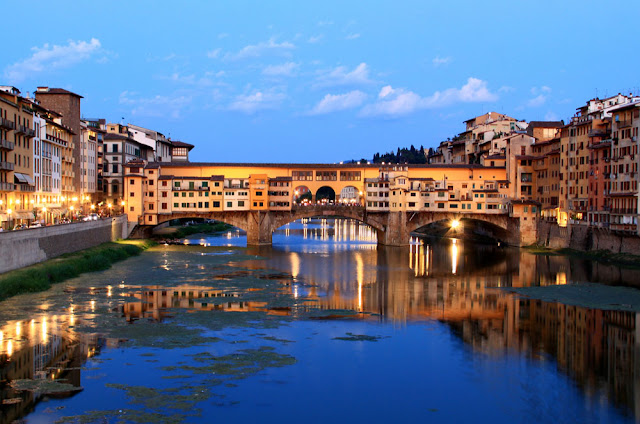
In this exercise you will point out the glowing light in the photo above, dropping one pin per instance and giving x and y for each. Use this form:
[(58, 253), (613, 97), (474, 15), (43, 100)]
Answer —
[(17, 201), (122, 203), (93, 207), (9, 211), (455, 224), (44, 209), (10, 348), (109, 205), (454, 256), (75, 199)]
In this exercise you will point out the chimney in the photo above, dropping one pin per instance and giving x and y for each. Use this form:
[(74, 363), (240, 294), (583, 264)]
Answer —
[(43, 89)]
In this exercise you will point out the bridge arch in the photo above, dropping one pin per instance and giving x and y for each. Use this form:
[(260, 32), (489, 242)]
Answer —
[(349, 195), (451, 224), (325, 194), (234, 219), (302, 193)]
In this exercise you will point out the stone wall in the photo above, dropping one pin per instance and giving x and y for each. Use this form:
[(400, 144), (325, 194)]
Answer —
[(27, 247), (585, 238)]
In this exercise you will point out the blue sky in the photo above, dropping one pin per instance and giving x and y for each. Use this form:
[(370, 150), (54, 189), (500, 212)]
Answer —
[(292, 81)]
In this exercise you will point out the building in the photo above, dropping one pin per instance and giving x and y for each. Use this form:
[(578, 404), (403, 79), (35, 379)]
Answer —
[(180, 151), (160, 145)]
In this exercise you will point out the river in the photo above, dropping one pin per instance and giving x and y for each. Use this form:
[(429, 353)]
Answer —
[(326, 326)]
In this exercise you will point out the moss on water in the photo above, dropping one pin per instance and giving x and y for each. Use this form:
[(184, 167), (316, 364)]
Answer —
[(40, 277), (350, 337), (43, 386)]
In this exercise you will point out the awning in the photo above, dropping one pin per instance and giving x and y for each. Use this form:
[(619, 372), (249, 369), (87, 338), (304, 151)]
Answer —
[(22, 215), (56, 211), (20, 178), (29, 179)]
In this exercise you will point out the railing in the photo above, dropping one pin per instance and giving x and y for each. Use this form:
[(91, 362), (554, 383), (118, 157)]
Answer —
[(6, 166), (598, 133), (7, 145), (625, 123), (25, 187), (7, 187), (5, 123), (30, 132)]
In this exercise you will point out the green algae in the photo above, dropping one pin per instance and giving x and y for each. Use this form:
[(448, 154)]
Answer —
[(275, 339), (350, 337), (43, 386)]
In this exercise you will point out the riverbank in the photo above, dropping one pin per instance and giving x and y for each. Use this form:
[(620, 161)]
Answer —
[(620, 259), (41, 276)]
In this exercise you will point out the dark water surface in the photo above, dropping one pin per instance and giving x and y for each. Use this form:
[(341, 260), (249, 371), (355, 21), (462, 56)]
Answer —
[(325, 326)]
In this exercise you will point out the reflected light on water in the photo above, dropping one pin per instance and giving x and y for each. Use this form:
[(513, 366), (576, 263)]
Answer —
[(295, 265), (454, 256), (359, 278)]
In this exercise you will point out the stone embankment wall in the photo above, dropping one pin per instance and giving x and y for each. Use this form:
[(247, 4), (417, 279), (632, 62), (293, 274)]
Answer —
[(27, 247), (583, 237)]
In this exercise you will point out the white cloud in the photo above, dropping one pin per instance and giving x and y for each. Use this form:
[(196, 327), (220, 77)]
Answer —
[(285, 70), (325, 23), (341, 76), (256, 101), (550, 116), (506, 89), (440, 61), (352, 36), (157, 106), (315, 39), (399, 102), (337, 102), (213, 54), (270, 47), (51, 57), (222, 35), (537, 101)]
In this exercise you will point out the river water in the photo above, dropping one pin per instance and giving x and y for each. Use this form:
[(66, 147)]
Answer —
[(326, 326)]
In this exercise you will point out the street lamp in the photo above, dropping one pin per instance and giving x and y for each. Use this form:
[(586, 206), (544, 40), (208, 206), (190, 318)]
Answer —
[(44, 215), (9, 212), (109, 206), (455, 224)]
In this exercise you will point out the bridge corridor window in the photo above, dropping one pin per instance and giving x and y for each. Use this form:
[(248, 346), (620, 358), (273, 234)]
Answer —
[(164, 206), (302, 175), (350, 175), (326, 175), (216, 204), (240, 203)]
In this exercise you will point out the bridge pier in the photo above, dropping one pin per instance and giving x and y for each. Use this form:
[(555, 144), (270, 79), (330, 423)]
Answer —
[(259, 228), (396, 231)]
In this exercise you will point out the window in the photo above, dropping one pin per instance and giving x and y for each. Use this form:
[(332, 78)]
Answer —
[(240, 203), (440, 205), (216, 204), (131, 194), (114, 168), (164, 194), (132, 182), (164, 206), (175, 205), (258, 193), (176, 184), (229, 204), (115, 148)]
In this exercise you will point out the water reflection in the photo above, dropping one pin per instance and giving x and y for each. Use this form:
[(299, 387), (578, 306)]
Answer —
[(41, 349), (337, 266)]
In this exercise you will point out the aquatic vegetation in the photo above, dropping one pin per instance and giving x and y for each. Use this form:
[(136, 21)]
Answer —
[(43, 386), (350, 337)]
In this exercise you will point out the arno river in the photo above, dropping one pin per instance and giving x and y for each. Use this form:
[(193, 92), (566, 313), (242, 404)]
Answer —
[(325, 326)]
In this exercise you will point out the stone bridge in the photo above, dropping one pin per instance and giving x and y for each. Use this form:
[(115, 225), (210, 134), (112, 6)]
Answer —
[(393, 228)]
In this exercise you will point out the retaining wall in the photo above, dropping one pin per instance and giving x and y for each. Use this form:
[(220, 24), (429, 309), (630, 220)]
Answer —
[(585, 238), (27, 247)]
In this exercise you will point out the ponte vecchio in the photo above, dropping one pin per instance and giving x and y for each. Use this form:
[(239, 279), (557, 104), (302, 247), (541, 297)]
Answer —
[(393, 199)]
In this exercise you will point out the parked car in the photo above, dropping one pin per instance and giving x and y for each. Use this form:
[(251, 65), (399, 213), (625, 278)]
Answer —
[(91, 217), (19, 227), (35, 225)]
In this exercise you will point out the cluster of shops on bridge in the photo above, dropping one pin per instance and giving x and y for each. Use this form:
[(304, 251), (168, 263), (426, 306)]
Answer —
[(157, 192)]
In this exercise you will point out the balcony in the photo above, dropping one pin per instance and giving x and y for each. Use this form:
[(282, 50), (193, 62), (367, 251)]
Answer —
[(7, 187), (598, 133), (6, 166), (30, 132), (25, 188), (7, 145), (624, 124), (6, 124)]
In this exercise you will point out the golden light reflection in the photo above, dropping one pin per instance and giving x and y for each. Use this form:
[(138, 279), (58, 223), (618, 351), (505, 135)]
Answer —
[(295, 265), (9, 348), (561, 278), (454, 256), (18, 328), (359, 278)]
